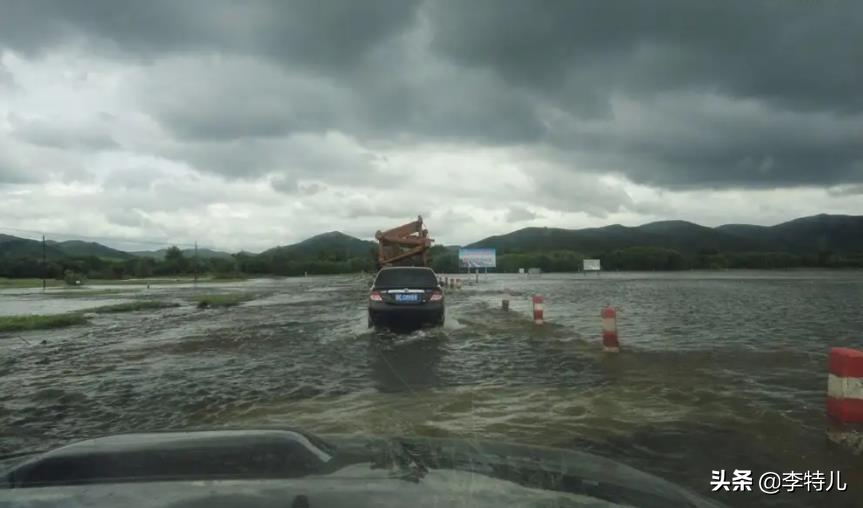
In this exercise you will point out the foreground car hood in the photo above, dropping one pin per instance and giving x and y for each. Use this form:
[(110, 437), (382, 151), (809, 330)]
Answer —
[(269, 468)]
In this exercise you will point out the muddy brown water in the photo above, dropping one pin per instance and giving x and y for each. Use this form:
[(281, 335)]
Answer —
[(719, 370)]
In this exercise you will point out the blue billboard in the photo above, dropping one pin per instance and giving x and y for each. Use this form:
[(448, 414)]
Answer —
[(477, 258)]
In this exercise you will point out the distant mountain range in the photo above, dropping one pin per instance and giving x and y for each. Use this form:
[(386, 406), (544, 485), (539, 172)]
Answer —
[(14, 247), (836, 233), (202, 253), (77, 248), (332, 242), (809, 235)]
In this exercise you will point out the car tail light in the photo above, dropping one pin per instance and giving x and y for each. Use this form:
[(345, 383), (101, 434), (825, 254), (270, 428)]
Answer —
[(375, 297), (436, 296)]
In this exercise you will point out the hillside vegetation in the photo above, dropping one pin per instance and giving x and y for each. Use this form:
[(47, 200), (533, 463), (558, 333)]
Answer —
[(832, 241), (818, 241)]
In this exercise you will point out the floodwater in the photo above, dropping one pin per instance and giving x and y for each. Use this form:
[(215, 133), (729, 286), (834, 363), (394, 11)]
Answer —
[(719, 370)]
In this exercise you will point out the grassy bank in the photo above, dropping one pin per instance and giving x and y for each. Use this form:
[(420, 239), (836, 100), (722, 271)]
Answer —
[(28, 283), (52, 283), (83, 293), (163, 281), (133, 306), (47, 321), (224, 300), (38, 322)]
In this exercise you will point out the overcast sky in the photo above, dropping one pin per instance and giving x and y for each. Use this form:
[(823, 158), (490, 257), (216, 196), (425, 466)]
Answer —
[(244, 125)]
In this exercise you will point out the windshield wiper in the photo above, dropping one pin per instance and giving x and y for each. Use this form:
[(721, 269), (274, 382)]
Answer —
[(399, 453)]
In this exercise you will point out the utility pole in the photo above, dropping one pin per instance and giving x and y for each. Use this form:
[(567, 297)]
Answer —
[(196, 263), (44, 266)]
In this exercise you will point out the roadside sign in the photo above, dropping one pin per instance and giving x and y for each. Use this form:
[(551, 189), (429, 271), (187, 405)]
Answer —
[(477, 258)]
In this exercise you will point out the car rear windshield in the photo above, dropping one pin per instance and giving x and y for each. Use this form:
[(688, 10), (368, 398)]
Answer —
[(406, 279)]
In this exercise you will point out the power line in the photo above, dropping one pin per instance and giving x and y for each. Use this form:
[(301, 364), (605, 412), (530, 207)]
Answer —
[(44, 267)]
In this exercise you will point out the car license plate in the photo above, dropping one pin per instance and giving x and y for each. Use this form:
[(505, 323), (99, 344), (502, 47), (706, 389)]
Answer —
[(407, 298)]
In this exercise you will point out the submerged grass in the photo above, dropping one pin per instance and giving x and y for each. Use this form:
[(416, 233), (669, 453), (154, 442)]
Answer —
[(226, 278), (39, 322), (223, 300), (138, 282), (164, 281), (133, 306), (83, 293), (47, 321), (28, 283)]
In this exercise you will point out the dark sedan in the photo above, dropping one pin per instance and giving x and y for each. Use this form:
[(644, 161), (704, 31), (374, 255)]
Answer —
[(408, 296)]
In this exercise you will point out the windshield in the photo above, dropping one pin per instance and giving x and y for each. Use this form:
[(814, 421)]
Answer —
[(405, 278), (627, 230)]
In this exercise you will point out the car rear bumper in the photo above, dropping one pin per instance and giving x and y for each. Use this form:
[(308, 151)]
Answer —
[(382, 313)]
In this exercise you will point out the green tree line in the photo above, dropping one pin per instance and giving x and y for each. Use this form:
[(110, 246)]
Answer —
[(175, 263), (655, 258), (292, 266), (442, 260)]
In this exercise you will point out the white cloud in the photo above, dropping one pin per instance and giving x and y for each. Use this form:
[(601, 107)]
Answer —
[(845, 190), (519, 214)]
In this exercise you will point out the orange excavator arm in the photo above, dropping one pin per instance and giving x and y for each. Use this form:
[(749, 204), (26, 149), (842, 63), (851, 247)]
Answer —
[(402, 231), (403, 243), (405, 255)]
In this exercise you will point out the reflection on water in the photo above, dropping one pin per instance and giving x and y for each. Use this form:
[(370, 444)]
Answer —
[(717, 370)]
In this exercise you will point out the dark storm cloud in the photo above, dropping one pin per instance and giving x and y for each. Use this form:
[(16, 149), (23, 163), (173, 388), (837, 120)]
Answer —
[(334, 33), (799, 53), (249, 98), (688, 140), (675, 94), (787, 72)]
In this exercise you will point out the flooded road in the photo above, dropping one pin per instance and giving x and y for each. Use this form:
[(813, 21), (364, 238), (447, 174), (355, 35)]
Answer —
[(719, 370)]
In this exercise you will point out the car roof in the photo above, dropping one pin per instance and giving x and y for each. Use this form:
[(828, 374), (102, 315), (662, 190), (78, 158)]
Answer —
[(388, 268)]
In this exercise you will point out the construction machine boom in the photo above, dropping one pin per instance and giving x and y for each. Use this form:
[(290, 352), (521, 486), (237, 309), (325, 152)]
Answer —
[(405, 245)]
